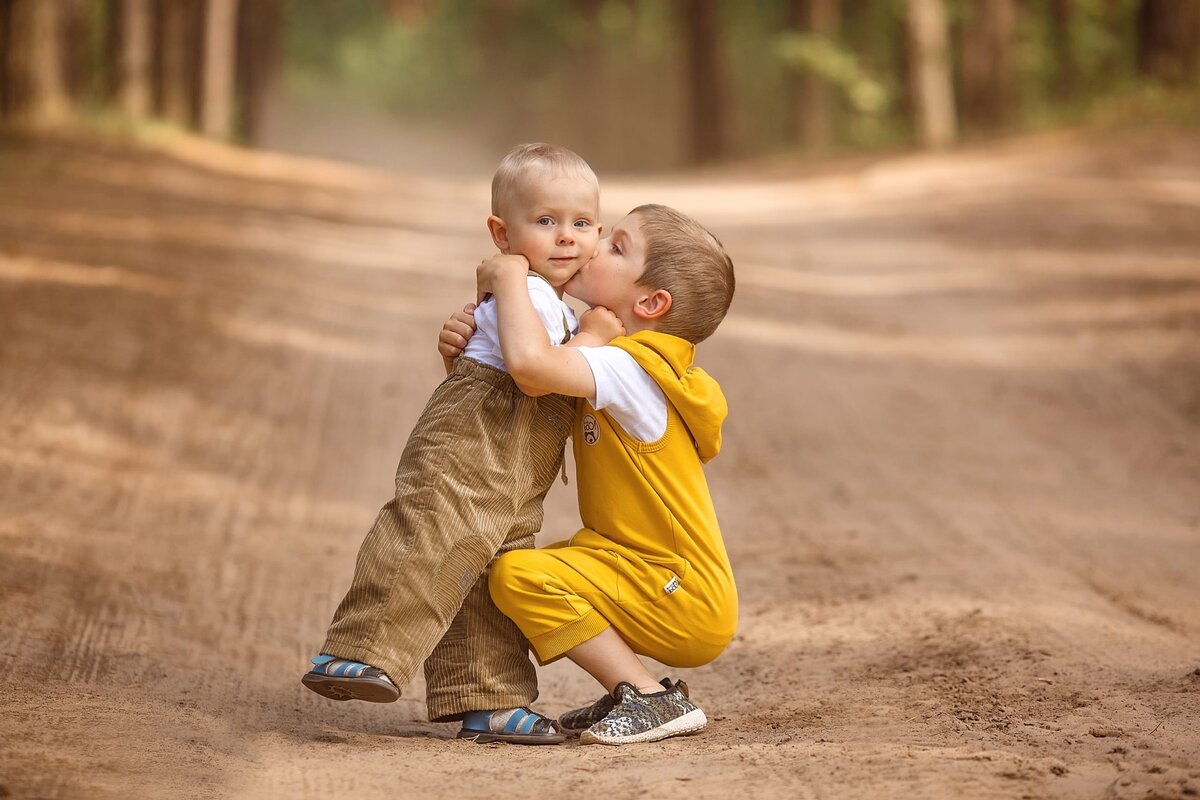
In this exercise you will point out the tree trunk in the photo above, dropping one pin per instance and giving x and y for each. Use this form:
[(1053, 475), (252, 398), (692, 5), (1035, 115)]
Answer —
[(1111, 62), (37, 91), (813, 101), (77, 56), (178, 61), (7, 105), (133, 73), (987, 68), (589, 68), (929, 71), (408, 13), (258, 62), (1168, 39), (220, 39), (706, 107), (1066, 69)]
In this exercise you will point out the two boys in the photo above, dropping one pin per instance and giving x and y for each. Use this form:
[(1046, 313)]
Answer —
[(647, 574)]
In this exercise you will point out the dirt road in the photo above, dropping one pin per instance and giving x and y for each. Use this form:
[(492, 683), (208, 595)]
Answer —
[(961, 483)]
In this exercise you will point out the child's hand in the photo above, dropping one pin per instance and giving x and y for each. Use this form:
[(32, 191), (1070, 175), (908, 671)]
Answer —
[(494, 268), (601, 323), (456, 331)]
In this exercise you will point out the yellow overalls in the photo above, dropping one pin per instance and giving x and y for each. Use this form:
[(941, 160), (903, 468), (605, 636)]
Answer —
[(649, 560)]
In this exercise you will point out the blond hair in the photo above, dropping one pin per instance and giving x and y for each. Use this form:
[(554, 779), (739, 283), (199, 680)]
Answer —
[(515, 168), (683, 257)]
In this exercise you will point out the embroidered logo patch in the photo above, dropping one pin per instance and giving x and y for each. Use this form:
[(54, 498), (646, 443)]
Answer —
[(591, 431), (671, 586)]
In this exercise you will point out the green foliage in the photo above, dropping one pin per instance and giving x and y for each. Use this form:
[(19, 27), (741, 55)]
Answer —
[(403, 67), (466, 49), (822, 56), (538, 60), (318, 29), (1063, 74)]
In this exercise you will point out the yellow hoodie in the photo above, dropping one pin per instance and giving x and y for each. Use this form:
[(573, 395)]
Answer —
[(649, 502)]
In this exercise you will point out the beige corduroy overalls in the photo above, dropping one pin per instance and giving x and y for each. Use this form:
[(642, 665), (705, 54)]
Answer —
[(469, 486)]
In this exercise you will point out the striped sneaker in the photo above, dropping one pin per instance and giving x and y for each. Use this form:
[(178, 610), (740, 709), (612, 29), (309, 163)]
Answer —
[(578, 720), (342, 679), (641, 717)]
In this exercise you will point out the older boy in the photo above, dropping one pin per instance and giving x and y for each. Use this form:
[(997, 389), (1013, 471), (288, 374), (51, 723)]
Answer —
[(648, 573), (470, 484)]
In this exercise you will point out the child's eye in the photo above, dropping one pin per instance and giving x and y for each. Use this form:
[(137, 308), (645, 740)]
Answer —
[(582, 223), (545, 221)]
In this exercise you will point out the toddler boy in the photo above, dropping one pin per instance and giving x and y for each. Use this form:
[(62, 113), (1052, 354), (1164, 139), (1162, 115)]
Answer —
[(470, 484)]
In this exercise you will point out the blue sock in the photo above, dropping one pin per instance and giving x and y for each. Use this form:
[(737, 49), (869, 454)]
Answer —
[(477, 720)]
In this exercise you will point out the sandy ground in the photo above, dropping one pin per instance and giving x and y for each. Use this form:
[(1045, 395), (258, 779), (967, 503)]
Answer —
[(961, 483)]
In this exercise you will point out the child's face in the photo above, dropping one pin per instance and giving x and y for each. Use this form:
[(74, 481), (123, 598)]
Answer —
[(554, 222), (611, 278)]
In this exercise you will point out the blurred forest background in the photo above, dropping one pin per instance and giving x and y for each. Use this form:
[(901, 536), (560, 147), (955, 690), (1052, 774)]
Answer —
[(632, 84), (960, 478)]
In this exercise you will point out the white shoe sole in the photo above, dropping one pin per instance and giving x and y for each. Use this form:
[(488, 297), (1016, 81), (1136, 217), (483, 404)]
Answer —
[(692, 722)]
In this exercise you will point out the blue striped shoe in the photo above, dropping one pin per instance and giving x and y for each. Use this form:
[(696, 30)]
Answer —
[(341, 679), (511, 725)]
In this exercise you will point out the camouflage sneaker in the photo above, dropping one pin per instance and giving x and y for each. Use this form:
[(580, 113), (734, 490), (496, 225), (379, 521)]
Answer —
[(641, 717), (580, 719)]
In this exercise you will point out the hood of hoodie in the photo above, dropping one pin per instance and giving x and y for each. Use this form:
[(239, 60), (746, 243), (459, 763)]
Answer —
[(692, 391)]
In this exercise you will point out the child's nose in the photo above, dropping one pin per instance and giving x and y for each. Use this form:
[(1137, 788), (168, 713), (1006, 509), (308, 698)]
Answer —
[(566, 235)]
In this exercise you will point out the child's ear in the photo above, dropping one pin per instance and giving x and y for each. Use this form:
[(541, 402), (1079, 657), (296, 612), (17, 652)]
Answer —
[(499, 232), (653, 306)]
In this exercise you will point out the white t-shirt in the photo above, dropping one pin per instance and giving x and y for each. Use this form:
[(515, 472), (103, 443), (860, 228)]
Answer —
[(484, 345), (627, 393)]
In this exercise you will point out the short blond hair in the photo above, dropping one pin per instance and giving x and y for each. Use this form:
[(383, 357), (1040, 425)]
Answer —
[(686, 259), (516, 166)]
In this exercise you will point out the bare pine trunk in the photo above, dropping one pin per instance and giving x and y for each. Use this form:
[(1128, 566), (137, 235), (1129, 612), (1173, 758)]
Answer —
[(220, 40), (1066, 71), (1169, 39), (38, 90), (813, 107), (410, 12), (699, 23), (1110, 62), (133, 74), (176, 62), (929, 69), (258, 62), (987, 69), (7, 100), (589, 69), (75, 43)]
